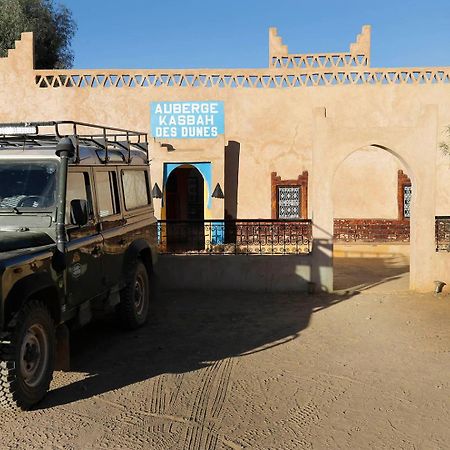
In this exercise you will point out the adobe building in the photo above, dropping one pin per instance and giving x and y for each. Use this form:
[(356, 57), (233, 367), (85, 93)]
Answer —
[(324, 137)]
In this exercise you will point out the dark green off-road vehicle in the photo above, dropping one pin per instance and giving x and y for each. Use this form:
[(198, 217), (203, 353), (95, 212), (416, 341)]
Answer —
[(77, 236)]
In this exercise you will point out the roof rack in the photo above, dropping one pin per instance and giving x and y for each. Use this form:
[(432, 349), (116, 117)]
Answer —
[(42, 133)]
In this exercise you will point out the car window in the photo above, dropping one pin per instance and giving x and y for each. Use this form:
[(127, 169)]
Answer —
[(107, 193), (78, 188), (135, 188), (25, 184)]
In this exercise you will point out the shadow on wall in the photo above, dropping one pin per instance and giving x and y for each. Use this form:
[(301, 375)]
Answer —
[(188, 331), (232, 153)]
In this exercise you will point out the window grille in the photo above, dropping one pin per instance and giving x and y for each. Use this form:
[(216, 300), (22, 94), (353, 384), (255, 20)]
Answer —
[(289, 202), (407, 201)]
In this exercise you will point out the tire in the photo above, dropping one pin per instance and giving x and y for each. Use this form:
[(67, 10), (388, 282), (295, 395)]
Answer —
[(27, 357), (134, 306)]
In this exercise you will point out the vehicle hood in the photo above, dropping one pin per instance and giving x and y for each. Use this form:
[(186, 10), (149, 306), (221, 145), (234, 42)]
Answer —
[(17, 240)]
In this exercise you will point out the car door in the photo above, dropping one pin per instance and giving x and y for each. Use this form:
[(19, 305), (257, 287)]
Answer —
[(85, 277), (111, 224), (140, 222)]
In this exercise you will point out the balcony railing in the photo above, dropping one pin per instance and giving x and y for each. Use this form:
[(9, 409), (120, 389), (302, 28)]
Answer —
[(442, 233), (280, 237), (232, 237)]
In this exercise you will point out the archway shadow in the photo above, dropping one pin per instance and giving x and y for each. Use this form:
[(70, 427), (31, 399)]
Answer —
[(368, 273), (188, 331)]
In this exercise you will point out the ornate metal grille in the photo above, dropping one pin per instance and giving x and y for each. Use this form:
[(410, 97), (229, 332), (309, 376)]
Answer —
[(443, 233), (288, 202), (407, 201), (235, 237)]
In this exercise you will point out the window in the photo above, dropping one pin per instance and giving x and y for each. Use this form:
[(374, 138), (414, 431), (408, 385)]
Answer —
[(107, 193), (135, 188), (404, 196), (407, 201), (25, 184), (78, 188), (289, 199), (289, 202)]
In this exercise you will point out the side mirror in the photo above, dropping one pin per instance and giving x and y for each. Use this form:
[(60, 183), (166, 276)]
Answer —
[(79, 214)]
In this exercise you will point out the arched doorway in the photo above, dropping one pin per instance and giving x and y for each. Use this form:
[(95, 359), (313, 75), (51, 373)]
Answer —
[(184, 199), (371, 205)]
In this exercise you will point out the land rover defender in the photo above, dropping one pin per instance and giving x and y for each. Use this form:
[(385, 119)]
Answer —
[(77, 237)]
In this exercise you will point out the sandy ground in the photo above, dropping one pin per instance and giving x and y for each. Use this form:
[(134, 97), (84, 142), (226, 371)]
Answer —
[(382, 274), (365, 370)]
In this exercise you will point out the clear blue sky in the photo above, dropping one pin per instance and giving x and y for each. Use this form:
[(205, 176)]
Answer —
[(233, 33)]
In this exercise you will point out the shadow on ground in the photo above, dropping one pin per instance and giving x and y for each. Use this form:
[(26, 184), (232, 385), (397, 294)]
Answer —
[(374, 274), (187, 331), (191, 330)]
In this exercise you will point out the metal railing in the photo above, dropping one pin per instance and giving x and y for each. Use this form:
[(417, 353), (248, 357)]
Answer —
[(442, 233), (36, 134), (371, 230), (232, 237)]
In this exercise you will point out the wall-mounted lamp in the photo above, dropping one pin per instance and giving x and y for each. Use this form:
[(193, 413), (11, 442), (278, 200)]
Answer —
[(156, 191), (169, 147), (217, 193)]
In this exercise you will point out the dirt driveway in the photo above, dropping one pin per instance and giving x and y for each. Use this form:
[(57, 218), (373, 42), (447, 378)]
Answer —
[(232, 371)]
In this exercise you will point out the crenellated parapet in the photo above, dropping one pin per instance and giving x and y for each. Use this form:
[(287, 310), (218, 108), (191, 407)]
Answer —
[(357, 56), (362, 44), (276, 46), (21, 57), (286, 71)]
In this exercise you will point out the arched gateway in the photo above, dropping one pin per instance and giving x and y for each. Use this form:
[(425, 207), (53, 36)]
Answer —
[(334, 142)]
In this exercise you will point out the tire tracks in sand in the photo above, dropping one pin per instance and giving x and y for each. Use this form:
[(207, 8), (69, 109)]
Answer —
[(183, 411)]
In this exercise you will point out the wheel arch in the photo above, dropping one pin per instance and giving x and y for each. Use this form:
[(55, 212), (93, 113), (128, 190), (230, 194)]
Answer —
[(139, 249), (37, 287)]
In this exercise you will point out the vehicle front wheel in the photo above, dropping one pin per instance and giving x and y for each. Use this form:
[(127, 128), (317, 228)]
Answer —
[(133, 309), (27, 356)]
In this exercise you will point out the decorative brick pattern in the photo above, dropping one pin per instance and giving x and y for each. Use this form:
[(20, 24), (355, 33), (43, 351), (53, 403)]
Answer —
[(256, 78), (358, 54), (371, 230), (320, 61)]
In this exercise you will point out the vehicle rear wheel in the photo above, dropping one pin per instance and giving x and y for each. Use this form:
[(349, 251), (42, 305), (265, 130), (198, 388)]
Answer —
[(27, 355), (133, 309)]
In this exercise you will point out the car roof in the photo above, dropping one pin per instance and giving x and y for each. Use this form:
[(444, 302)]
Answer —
[(88, 155), (93, 144)]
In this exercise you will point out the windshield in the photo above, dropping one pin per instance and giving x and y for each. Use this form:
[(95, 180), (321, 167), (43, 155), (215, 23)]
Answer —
[(27, 184)]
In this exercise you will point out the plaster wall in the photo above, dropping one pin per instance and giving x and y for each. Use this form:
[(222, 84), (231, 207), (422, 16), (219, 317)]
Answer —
[(365, 185), (272, 138), (287, 130), (260, 273)]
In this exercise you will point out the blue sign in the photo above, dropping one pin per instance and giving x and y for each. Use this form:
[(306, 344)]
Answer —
[(187, 120)]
